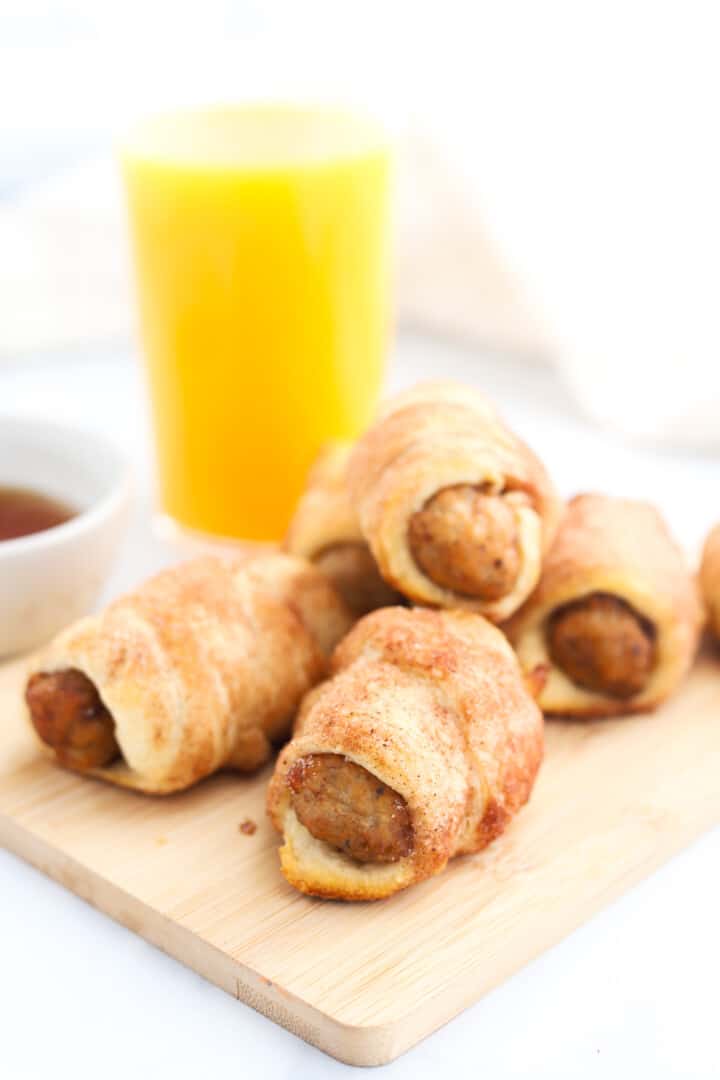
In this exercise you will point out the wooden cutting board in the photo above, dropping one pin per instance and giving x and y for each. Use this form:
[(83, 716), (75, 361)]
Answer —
[(365, 982)]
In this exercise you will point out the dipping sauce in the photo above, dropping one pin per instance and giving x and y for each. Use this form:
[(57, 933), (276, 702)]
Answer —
[(24, 511)]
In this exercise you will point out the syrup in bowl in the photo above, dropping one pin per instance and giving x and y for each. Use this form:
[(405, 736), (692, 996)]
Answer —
[(24, 511)]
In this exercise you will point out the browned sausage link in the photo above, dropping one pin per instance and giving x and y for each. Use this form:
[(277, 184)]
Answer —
[(70, 717), (346, 806), (354, 573), (467, 541), (603, 645)]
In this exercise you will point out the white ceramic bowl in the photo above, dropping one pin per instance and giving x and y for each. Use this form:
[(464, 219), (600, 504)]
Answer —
[(49, 578)]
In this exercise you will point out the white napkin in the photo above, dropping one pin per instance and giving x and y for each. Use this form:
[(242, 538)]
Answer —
[(65, 274), (64, 267)]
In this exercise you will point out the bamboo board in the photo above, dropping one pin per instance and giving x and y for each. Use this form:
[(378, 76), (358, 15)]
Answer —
[(365, 982)]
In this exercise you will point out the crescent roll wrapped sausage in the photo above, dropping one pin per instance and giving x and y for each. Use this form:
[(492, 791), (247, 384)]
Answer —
[(616, 616), (710, 579), (326, 530), (457, 510), (202, 667), (422, 746)]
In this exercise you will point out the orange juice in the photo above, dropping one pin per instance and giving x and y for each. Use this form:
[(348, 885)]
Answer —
[(262, 254)]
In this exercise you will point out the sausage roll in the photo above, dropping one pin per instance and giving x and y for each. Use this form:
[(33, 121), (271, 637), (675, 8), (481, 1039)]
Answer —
[(457, 510), (326, 530), (202, 667), (422, 746), (616, 616), (710, 579)]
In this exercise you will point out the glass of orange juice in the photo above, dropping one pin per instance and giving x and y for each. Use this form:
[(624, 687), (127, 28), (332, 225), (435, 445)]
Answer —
[(262, 251)]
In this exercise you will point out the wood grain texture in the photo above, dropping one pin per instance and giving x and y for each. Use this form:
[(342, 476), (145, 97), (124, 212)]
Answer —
[(365, 982)]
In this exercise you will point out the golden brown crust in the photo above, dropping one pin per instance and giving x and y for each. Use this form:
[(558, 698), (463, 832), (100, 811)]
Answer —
[(324, 515), (204, 665), (438, 436), (622, 548), (434, 705), (710, 579), (326, 530), (351, 569)]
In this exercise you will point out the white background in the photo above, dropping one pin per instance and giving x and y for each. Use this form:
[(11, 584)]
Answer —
[(632, 994)]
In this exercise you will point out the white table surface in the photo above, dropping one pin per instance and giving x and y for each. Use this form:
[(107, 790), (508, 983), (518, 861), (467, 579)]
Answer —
[(631, 994)]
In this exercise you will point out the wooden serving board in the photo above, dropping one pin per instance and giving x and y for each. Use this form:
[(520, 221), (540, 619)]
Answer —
[(365, 982)]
